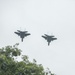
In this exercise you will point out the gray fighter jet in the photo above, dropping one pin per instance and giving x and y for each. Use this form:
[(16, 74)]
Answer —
[(22, 34), (49, 38)]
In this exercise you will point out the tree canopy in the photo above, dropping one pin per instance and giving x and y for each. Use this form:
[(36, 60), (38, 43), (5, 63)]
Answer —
[(10, 66)]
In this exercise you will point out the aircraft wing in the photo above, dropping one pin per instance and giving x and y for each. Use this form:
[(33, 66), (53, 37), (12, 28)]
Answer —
[(17, 33), (49, 35), (44, 37), (22, 31), (27, 34), (25, 31), (54, 39)]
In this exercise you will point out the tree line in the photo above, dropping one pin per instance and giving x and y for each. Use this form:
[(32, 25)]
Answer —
[(10, 66)]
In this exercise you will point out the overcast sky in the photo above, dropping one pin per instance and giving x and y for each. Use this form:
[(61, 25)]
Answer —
[(54, 17)]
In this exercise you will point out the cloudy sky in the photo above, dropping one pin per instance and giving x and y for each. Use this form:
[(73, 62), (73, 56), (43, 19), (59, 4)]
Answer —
[(54, 17)]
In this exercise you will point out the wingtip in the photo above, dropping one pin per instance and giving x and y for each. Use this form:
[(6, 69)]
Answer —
[(56, 38), (42, 36), (29, 34), (14, 32)]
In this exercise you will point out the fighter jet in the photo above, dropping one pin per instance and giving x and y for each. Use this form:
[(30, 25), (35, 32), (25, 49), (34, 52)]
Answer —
[(48, 38), (22, 34)]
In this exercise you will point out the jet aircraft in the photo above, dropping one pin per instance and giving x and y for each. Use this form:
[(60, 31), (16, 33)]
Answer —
[(48, 38), (22, 34)]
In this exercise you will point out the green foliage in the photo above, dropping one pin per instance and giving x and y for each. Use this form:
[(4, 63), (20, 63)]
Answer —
[(10, 66)]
